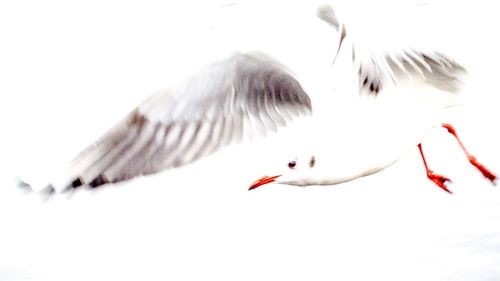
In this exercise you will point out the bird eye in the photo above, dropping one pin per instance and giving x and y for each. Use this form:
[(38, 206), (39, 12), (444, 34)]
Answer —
[(292, 164)]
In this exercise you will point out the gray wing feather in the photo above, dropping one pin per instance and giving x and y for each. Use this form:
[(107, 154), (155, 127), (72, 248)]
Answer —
[(376, 68), (444, 74), (435, 69), (246, 94)]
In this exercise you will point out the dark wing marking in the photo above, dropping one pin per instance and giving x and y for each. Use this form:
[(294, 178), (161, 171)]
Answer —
[(246, 94)]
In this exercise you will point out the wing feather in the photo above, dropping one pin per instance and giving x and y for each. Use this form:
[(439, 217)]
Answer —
[(231, 100), (376, 68)]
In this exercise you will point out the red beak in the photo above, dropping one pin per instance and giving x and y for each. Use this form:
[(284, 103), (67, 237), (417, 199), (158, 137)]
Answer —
[(262, 181)]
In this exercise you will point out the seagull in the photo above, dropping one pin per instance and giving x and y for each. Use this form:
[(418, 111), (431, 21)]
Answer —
[(426, 72), (248, 95)]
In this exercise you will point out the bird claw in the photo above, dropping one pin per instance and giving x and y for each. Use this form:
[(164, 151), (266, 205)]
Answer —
[(439, 180)]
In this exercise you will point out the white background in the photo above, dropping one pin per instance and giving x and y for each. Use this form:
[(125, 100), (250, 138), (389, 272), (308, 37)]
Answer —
[(69, 71)]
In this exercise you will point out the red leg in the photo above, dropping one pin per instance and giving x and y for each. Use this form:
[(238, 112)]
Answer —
[(489, 175), (439, 180)]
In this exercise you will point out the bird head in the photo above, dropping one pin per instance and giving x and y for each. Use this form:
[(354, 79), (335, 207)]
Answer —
[(299, 171)]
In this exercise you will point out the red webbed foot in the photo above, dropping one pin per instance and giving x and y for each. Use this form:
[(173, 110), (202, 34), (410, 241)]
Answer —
[(439, 180)]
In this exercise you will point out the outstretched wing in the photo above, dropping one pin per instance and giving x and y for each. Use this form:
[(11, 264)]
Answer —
[(230, 100), (377, 67)]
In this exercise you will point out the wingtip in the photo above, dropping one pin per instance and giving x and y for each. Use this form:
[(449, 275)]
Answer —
[(98, 181), (76, 183), (22, 185), (49, 190), (327, 14), (46, 191)]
